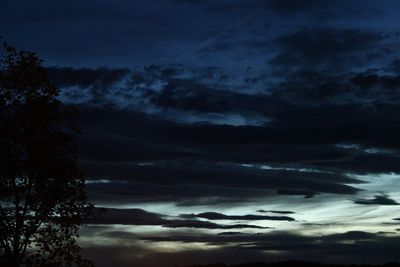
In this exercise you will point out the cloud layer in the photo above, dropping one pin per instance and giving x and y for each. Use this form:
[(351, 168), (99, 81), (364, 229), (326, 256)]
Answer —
[(229, 130)]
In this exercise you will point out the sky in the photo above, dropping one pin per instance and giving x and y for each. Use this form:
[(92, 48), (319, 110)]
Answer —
[(229, 130)]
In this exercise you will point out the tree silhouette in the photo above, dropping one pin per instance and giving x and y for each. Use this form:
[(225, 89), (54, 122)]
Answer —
[(42, 197)]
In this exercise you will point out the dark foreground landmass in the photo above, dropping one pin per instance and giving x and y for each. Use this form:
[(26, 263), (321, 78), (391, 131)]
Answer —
[(296, 264)]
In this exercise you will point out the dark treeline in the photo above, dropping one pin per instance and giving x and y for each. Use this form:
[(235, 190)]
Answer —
[(296, 264)]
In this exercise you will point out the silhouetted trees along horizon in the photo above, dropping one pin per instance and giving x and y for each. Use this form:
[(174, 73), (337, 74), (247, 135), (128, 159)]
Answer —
[(295, 264), (42, 196)]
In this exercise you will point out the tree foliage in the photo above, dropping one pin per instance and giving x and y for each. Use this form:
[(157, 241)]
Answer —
[(42, 196)]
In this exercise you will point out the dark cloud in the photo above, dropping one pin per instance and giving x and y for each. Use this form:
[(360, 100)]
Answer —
[(85, 77), (314, 9), (305, 102), (126, 216), (351, 236), (189, 163), (368, 81), (394, 66), (277, 211), (298, 138), (192, 95), (271, 239), (337, 248), (292, 6), (209, 225), (372, 163), (216, 46), (125, 257), (295, 192), (377, 200), (221, 6), (306, 122), (142, 217), (325, 47), (366, 252), (184, 195), (185, 179), (249, 217), (319, 12), (230, 233), (216, 201)]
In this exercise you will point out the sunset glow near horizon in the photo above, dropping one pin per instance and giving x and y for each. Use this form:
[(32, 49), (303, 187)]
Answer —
[(229, 130)]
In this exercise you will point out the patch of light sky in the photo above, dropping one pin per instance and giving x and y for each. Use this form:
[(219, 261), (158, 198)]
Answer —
[(368, 150), (384, 183), (269, 167)]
